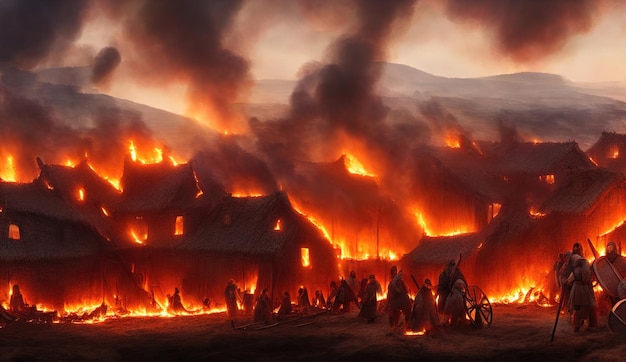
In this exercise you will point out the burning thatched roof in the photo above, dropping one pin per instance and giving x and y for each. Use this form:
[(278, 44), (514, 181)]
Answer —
[(581, 190), (68, 180), (609, 151), (158, 186), (466, 169), (48, 227), (439, 250), (247, 225)]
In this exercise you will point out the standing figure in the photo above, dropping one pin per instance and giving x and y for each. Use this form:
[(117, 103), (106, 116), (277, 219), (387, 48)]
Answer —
[(450, 274), (454, 309), (424, 316), (263, 309), (353, 282), (398, 301), (17, 304), (318, 300), (285, 306), (231, 295), (175, 303), (303, 298), (369, 300), (582, 299)]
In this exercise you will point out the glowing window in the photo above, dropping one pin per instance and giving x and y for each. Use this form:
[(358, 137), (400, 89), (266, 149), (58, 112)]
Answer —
[(179, 226), (139, 231), (14, 232), (306, 261), (549, 179), (494, 210), (81, 194)]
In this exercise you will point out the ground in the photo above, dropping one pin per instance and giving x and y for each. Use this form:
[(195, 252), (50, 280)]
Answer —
[(518, 333)]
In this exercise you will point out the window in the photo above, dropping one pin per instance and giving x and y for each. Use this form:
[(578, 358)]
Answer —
[(179, 226), (306, 261), (14, 232)]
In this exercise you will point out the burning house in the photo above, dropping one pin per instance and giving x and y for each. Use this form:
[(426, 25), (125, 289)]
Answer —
[(531, 184), (609, 150)]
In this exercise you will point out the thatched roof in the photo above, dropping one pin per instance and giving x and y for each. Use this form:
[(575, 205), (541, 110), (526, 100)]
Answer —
[(33, 198), (39, 212), (581, 191), (536, 158), (441, 249), (245, 225), (67, 180), (467, 168), (159, 186)]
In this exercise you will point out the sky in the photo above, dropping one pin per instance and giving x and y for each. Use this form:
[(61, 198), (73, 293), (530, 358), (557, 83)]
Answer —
[(178, 55)]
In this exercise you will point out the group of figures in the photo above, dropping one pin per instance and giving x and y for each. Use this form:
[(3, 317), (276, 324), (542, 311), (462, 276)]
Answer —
[(421, 314), (575, 278)]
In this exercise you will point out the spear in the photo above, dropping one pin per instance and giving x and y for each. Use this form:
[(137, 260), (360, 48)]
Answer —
[(593, 249), (558, 313)]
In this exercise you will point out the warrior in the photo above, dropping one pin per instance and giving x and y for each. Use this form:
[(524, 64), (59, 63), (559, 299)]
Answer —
[(424, 316), (450, 274), (582, 299)]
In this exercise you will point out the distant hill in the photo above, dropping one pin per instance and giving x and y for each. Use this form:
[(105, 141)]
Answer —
[(539, 106)]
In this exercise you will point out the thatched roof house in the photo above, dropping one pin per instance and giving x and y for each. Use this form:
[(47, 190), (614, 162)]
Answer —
[(261, 242), (609, 151)]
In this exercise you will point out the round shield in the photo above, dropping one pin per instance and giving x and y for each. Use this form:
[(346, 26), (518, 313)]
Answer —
[(607, 275), (621, 289), (617, 318)]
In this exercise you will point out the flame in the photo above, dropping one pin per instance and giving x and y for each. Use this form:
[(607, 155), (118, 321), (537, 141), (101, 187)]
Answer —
[(277, 226), (81, 194), (535, 213), (458, 230), (7, 172), (613, 152), (306, 261), (105, 212), (179, 226), (453, 141), (138, 237), (355, 167)]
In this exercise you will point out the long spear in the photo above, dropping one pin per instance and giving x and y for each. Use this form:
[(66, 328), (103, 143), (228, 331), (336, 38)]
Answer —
[(558, 313)]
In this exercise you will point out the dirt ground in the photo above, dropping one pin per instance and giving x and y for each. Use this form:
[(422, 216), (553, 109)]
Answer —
[(518, 333)]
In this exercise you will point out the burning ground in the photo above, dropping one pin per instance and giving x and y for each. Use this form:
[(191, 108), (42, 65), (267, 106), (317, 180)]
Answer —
[(518, 333)]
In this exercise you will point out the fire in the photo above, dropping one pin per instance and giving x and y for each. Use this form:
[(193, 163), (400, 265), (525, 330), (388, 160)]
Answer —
[(137, 237), (277, 226), (533, 212), (105, 212), (7, 172), (613, 152), (306, 261), (81, 194), (156, 155), (453, 141), (355, 167), (458, 230)]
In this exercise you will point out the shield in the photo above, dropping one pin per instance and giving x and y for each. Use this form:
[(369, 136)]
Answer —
[(617, 318), (608, 277)]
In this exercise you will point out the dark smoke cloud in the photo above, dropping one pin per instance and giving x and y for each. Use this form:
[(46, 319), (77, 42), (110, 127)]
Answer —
[(33, 30), (336, 99), (30, 128), (183, 41), (525, 30), (106, 61)]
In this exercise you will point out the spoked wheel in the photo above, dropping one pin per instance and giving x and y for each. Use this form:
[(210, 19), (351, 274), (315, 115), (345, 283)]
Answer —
[(478, 307)]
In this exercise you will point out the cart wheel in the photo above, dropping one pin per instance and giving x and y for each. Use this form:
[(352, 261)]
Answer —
[(478, 307)]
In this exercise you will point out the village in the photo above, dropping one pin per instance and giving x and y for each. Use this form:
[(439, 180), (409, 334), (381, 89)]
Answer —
[(74, 242)]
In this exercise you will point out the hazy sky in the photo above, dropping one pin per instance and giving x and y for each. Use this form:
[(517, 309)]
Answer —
[(583, 43)]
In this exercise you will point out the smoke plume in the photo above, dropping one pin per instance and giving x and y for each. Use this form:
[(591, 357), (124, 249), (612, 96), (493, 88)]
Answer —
[(527, 30)]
